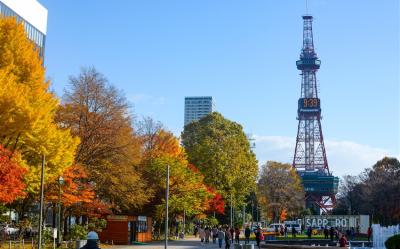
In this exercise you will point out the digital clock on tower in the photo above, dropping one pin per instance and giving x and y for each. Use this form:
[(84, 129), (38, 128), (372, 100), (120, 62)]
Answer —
[(309, 104)]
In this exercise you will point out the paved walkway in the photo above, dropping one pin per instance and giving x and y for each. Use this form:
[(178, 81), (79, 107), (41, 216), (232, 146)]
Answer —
[(189, 243)]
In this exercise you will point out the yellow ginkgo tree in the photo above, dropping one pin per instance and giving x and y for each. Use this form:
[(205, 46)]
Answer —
[(27, 108)]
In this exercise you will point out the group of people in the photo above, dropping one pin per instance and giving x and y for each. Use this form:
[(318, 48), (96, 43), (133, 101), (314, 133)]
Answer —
[(225, 234), (284, 231)]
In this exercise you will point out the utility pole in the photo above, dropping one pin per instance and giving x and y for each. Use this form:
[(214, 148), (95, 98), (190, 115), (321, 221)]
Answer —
[(257, 214), (166, 209), (184, 222), (244, 215), (231, 212), (41, 203)]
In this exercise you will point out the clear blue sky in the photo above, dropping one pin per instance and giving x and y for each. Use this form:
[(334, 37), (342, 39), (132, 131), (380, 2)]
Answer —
[(243, 54)]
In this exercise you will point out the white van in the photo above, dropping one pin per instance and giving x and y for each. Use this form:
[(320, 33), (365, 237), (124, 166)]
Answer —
[(274, 227)]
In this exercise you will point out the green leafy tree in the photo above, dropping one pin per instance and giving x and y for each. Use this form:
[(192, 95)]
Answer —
[(280, 190), (221, 151)]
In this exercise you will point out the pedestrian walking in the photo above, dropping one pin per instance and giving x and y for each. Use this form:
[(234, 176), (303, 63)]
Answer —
[(369, 233), (247, 233), (202, 235), (309, 232), (228, 238), (343, 241), (237, 234), (208, 233), (258, 236), (214, 234), (286, 231), (176, 232), (352, 232), (326, 233), (92, 241), (221, 237), (294, 232), (232, 231), (331, 233)]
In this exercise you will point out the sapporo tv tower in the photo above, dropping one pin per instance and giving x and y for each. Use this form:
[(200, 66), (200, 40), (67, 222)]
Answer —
[(310, 156)]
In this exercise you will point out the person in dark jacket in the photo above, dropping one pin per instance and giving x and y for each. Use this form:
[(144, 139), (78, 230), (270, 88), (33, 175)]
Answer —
[(221, 237), (237, 235), (309, 232), (331, 233), (247, 233), (232, 231), (258, 236), (228, 238), (92, 239), (326, 232)]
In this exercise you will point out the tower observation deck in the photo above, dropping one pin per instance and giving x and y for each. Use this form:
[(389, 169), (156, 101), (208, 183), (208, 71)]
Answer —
[(310, 156)]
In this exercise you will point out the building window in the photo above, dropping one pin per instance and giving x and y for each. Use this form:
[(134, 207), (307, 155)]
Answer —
[(141, 226)]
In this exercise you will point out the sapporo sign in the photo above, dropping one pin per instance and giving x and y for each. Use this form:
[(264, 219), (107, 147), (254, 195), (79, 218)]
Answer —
[(331, 220)]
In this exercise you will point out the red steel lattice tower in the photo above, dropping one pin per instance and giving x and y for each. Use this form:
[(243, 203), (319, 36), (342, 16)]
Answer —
[(310, 156)]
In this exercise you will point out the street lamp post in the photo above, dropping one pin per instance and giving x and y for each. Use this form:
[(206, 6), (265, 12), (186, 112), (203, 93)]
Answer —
[(60, 181), (166, 209), (41, 203), (231, 212)]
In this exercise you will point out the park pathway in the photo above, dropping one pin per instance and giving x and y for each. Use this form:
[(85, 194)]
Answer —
[(189, 243)]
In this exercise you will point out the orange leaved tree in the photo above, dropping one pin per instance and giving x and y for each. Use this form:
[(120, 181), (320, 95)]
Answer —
[(11, 177)]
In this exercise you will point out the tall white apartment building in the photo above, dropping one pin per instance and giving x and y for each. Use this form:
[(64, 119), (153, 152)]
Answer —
[(197, 108), (32, 15)]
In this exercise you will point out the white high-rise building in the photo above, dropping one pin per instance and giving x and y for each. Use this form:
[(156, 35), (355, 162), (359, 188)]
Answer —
[(197, 108), (33, 16)]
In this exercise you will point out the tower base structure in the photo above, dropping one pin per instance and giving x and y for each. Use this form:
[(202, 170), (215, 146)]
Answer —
[(320, 191)]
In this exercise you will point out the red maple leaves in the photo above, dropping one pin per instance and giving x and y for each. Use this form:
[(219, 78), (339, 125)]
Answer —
[(216, 203), (11, 177)]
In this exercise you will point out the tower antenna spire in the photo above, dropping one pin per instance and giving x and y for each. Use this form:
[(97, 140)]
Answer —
[(306, 7)]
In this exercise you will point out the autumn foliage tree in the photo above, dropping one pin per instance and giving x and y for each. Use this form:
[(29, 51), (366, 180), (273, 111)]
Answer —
[(216, 203), (27, 108), (11, 177), (375, 192), (75, 187), (98, 114), (188, 192), (77, 194), (280, 190)]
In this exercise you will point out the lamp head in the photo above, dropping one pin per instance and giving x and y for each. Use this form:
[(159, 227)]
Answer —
[(60, 180)]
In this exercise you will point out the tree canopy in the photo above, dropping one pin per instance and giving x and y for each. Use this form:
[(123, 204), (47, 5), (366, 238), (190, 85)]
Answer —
[(280, 190), (221, 151), (27, 108), (98, 114), (187, 190), (375, 192)]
